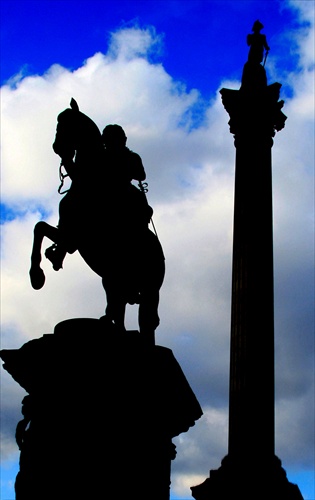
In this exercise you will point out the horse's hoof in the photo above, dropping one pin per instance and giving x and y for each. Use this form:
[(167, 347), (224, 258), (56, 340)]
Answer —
[(56, 256), (37, 278)]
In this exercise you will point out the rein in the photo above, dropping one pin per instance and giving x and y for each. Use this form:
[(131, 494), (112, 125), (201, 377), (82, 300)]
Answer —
[(62, 176), (143, 186)]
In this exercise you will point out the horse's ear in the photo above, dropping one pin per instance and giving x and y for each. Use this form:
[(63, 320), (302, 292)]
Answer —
[(74, 105)]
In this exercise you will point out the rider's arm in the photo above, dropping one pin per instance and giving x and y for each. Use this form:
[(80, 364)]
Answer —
[(265, 44), (137, 168)]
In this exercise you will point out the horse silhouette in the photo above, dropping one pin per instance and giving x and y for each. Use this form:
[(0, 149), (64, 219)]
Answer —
[(108, 226)]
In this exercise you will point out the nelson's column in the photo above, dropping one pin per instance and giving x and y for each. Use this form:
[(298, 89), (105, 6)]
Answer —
[(251, 469)]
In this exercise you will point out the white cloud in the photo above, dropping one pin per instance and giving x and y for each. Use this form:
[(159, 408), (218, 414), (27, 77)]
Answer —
[(135, 42), (305, 38), (190, 170)]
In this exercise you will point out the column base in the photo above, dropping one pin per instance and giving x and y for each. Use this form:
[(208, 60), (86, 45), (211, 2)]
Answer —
[(247, 481)]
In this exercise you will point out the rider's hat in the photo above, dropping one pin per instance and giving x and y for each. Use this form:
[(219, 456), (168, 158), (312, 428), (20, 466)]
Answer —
[(257, 25)]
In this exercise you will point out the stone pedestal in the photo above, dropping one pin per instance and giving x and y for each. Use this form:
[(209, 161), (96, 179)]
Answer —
[(100, 414)]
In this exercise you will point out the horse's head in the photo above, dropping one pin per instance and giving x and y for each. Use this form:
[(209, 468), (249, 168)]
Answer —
[(75, 133)]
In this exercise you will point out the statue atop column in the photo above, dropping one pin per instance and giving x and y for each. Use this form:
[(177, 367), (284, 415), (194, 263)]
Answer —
[(258, 44), (254, 74), (256, 104)]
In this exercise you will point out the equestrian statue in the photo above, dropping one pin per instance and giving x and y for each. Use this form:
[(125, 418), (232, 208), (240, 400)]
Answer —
[(105, 217)]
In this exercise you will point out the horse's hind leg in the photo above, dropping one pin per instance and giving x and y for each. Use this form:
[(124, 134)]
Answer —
[(148, 317), (115, 312), (116, 306), (41, 230)]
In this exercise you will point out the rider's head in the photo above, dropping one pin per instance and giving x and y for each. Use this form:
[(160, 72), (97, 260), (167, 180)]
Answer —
[(114, 137), (257, 26)]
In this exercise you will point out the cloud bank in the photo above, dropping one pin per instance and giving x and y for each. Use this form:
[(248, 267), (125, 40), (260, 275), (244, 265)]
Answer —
[(188, 154)]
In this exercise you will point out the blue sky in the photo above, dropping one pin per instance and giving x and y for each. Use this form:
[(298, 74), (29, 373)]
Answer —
[(203, 40), (156, 67)]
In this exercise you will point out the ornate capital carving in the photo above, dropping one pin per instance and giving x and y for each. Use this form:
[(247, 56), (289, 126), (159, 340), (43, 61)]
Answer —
[(254, 112)]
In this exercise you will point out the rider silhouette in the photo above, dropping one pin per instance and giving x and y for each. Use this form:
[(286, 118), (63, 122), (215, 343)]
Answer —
[(113, 193), (123, 166)]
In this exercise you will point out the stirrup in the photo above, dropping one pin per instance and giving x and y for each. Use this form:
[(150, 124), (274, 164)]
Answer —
[(55, 256)]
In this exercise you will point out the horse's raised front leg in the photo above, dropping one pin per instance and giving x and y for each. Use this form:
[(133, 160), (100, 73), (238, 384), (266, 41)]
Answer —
[(41, 230)]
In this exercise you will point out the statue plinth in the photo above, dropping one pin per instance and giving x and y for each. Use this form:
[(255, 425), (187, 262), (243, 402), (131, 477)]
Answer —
[(100, 414), (251, 469)]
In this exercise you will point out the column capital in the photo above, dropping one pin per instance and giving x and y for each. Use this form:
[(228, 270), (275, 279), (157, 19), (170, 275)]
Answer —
[(254, 112)]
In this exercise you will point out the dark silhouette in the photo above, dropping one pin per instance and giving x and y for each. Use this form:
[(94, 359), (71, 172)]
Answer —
[(103, 403), (105, 218), (251, 471), (100, 414), (254, 74), (258, 43)]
